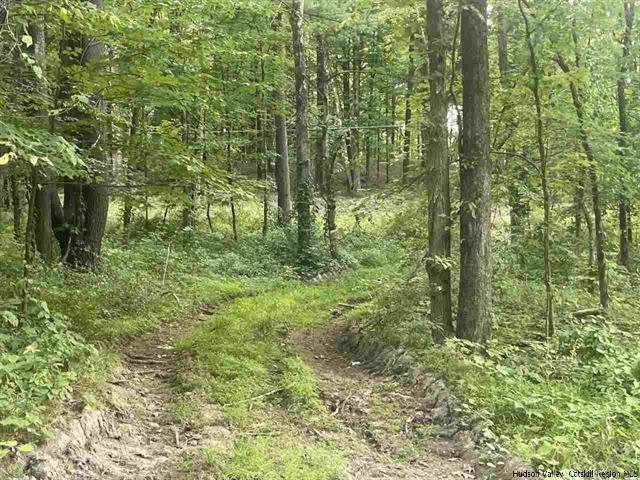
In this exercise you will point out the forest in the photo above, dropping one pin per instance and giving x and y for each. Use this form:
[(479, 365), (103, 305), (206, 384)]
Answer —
[(319, 239)]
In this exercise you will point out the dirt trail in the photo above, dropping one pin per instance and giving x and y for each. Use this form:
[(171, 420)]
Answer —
[(134, 436), (390, 431), (385, 433)]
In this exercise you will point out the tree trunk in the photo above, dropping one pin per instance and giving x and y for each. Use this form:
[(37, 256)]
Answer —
[(189, 216), (304, 198), (475, 295), (535, 89), (518, 208), (578, 104), (86, 209), (393, 138), (16, 202), (324, 160), (355, 133), (437, 157), (623, 205), (128, 206), (408, 114), (86, 205), (283, 182)]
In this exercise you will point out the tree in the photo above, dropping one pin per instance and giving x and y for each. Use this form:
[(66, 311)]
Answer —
[(408, 115), (542, 153), (578, 104), (86, 205), (304, 196), (283, 183), (475, 293), (624, 204), (437, 151)]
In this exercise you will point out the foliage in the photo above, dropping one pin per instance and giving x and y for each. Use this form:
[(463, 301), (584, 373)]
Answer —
[(38, 361)]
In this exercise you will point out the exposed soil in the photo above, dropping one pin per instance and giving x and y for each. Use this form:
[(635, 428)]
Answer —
[(389, 425), (386, 430), (134, 436)]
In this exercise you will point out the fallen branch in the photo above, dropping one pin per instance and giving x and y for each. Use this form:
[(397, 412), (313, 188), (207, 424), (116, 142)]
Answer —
[(589, 312)]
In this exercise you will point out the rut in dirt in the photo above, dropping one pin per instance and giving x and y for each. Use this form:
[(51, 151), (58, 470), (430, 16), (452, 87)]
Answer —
[(389, 432), (135, 436), (385, 431)]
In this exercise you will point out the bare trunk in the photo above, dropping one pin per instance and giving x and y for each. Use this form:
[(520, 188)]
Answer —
[(475, 295), (16, 202), (437, 159), (408, 114), (283, 183), (535, 88), (304, 197), (326, 161), (578, 104), (623, 205)]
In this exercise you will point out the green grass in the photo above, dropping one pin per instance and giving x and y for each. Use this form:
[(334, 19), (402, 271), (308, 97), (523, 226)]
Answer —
[(240, 352), (283, 457), (240, 359)]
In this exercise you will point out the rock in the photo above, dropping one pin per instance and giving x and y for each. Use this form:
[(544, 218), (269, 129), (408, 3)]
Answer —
[(512, 466)]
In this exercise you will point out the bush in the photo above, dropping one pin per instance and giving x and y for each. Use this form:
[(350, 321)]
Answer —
[(38, 355)]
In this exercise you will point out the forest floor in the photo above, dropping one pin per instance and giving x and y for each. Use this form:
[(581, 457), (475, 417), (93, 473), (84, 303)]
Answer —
[(377, 428)]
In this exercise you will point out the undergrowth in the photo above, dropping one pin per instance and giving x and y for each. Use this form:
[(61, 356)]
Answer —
[(571, 401), (50, 355)]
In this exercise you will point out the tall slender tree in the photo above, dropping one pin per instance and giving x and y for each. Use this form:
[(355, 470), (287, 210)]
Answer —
[(304, 196), (624, 203)]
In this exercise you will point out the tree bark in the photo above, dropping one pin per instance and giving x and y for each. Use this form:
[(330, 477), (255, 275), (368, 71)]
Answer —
[(283, 182), (437, 156), (325, 162), (16, 203), (86, 205), (127, 216), (475, 294), (624, 205), (535, 89), (408, 114), (578, 104), (304, 198), (355, 133)]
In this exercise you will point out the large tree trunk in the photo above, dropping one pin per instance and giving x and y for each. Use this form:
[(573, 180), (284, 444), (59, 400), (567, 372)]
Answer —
[(86, 205), (408, 114), (475, 295), (86, 209), (304, 197), (578, 105), (624, 205), (437, 156)]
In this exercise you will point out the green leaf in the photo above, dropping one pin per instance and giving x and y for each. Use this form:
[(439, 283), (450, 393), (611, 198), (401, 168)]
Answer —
[(26, 448), (10, 318), (27, 40)]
